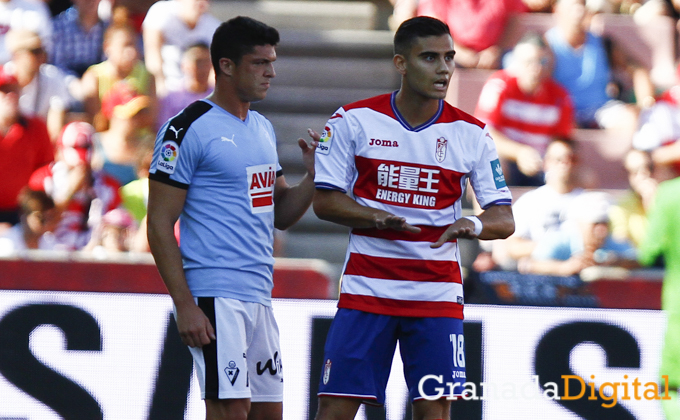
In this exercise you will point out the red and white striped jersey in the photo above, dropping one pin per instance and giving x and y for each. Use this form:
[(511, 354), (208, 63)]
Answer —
[(533, 120), (369, 151)]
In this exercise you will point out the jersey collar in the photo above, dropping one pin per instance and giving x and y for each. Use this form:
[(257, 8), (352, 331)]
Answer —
[(405, 124)]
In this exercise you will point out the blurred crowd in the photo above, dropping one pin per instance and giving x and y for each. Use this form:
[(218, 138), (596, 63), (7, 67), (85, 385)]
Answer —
[(84, 86)]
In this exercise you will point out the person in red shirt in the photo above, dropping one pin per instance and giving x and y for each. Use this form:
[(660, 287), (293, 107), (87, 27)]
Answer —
[(82, 195), (24, 147), (525, 109)]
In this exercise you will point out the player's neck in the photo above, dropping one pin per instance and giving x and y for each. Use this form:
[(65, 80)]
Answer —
[(229, 101), (416, 109)]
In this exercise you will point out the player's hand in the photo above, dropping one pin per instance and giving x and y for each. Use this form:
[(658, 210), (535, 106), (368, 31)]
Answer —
[(390, 221), (194, 327), (529, 161), (308, 150), (462, 228)]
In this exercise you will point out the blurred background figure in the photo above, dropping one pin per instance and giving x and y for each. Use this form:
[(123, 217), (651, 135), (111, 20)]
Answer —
[(525, 109), (169, 28), (583, 241), (662, 241), (629, 215), (24, 14), (113, 235), (196, 70), (116, 150), (583, 67), (82, 196), (122, 64), (543, 209), (24, 147), (37, 216), (80, 35), (44, 89), (476, 27)]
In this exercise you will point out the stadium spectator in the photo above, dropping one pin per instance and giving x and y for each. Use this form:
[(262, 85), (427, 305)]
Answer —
[(476, 26), (663, 241), (583, 241), (543, 209), (169, 28), (80, 35), (116, 149), (135, 196), (44, 91), (402, 279), (628, 217), (37, 218), (122, 63), (82, 196), (113, 235), (525, 109), (24, 14), (196, 69), (583, 67), (24, 147), (658, 132)]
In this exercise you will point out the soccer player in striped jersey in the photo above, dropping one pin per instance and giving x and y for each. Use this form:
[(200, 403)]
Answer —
[(394, 168)]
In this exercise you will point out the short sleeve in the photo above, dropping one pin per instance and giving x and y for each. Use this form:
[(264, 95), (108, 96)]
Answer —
[(158, 15), (335, 154), (174, 162), (487, 177)]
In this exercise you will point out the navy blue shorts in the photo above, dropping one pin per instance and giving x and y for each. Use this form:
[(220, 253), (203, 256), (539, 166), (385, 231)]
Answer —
[(360, 347)]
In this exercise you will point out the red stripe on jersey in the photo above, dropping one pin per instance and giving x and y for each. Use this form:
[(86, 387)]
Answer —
[(427, 234), (262, 201), (394, 307), (380, 103), (452, 114), (406, 184), (403, 269)]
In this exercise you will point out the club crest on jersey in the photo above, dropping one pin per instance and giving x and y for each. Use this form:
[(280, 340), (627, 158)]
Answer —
[(326, 371), (232, 372), (167, 159), (324, 146), (440, 151), (261, 179), (498, 177)]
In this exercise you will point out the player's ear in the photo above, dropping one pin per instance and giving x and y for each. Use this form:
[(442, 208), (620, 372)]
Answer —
[(227, 66), (400, 63)]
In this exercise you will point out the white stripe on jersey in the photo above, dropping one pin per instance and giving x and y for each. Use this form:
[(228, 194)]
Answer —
[(386, 248), (401, 289)]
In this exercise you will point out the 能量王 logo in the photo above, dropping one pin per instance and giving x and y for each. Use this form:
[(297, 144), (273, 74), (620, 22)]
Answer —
[(169, 152)]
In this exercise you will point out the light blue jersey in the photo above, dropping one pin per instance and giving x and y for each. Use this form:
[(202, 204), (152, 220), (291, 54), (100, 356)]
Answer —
[(229, 168)]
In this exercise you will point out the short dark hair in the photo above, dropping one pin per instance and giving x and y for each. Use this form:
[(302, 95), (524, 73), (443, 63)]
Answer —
[(30, 200), (237, 37), (417, 27)]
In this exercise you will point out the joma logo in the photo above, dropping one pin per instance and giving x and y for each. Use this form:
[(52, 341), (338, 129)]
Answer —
[(383, 143)]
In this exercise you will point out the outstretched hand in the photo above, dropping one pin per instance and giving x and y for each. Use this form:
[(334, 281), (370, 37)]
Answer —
[(462, 228), (308, 150), (391, 221)]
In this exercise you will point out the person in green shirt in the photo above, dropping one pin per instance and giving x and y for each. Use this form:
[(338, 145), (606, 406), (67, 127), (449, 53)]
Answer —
[(663, 239)]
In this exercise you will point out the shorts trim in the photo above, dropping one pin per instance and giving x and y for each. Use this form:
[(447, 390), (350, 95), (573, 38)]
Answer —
[(366, 399), (212, 382)]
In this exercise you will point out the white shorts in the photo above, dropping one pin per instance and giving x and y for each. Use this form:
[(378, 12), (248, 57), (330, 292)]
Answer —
[(245, 360)]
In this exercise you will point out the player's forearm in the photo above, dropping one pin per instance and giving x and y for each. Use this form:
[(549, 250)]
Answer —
[(337, 207), (293, 203), (168, 259), (497, 222)]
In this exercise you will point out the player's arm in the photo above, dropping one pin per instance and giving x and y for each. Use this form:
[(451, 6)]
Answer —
[(291, 202), (497, 223), (335, 206), (165, 206)]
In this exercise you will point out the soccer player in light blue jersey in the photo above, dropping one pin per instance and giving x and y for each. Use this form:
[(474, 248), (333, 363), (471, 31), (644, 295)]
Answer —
[(215, 165)]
